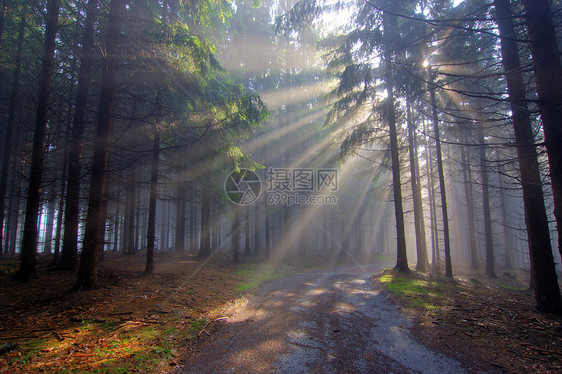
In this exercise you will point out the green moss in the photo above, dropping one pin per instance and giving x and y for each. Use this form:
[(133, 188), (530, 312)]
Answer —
[(509, 287), (418, 293), (198, 324), (254, 275)]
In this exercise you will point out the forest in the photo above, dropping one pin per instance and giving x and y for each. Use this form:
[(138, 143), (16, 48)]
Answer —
[(423, 134)]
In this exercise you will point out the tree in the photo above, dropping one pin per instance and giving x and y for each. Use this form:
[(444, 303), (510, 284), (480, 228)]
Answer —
[(29, 243), (547, 294), (421, 245), (548, 79), (10, 123), (389, 44), (150, 236), (441, 173), (95, 221), (69, 254), (467, 181), (490, 263)]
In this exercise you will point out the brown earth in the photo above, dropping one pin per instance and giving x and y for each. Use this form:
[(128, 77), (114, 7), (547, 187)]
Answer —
[(130, 324), (487, 324), (137, 324)]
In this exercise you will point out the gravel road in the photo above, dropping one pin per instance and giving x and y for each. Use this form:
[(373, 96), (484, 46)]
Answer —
[(323, 322)]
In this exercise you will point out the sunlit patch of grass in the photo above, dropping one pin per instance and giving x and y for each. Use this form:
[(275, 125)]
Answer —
[(419, 293), (406, 286), (198, 324), (254, 275), (509, 287)]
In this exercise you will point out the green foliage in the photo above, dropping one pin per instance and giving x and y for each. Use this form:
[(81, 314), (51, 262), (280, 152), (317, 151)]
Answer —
[(256, 275)]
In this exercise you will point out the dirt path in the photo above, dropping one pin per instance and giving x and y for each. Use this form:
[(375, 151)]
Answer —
[(325, 322)]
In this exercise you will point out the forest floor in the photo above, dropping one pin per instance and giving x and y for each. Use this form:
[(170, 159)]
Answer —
[(148, 324), (489, 325), (130, 324)]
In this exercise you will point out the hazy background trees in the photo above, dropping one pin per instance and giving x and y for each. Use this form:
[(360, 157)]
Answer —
[(122, 119)]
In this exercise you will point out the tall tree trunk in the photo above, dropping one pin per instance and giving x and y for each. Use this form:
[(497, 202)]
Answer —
[(215, 226), (29, 242), (14, 207), (490, 265), (126, 219), (191, 219), (49, 225), (435, 258), (62, 194), (267, 228), (87, 272), (117, 220), (137, 233), (180, 218), (547, 292), (151, 229), (507, 234), (69, 254), (390, 111), (247, 251), (442, 188), (548, 78), (131, 209), (421, 245), (235, 233), (11, 122), (205, 237), (257, 243), (467, 179)]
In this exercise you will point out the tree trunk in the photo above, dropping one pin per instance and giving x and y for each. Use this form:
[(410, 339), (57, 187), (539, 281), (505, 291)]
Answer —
[(11, 121), (442, 188), (131, 209), (205, 237), (191, 219), (235, 233), (490, 265), (49, 225), (180, 218), (547, 292), (390, 111), (421, 245), (151, 229), (267, 229), (69, 254), (467, 179), (435, 258), (117, 220), (548, 78), (14, 206), (247, 230), (87, 272), (62, 194), (29, 242), (257, 243), (137, 233), (507, 234), (127, 218)]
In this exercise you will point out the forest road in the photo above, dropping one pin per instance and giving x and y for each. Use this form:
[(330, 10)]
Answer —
[(333, 321)]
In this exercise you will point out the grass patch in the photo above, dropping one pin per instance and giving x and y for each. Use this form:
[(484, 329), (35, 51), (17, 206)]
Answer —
[(415, 290), (254, 275), (509, 287)]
